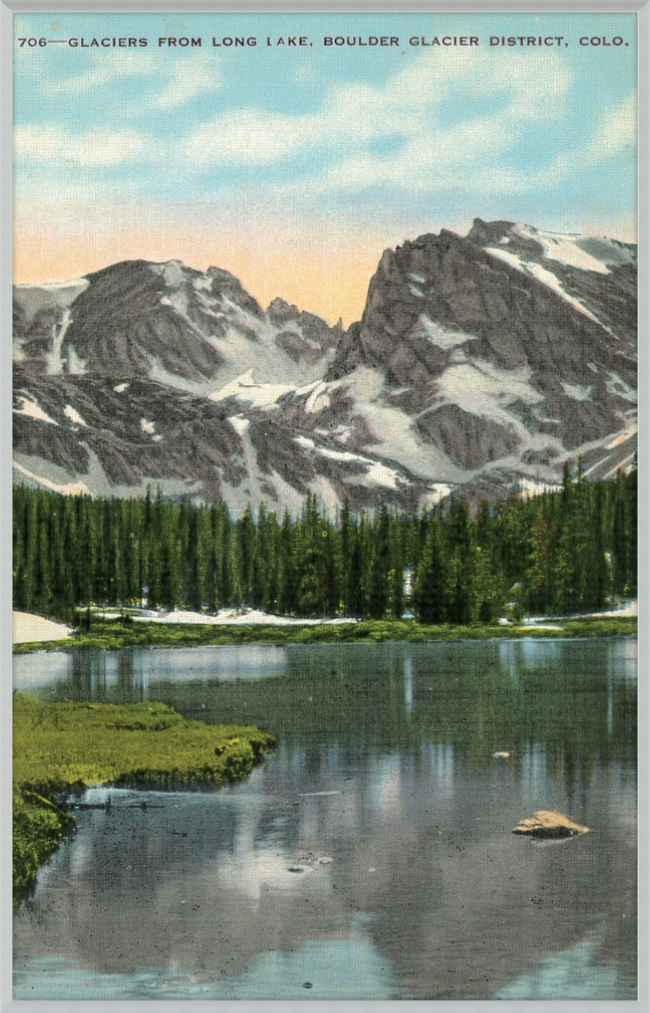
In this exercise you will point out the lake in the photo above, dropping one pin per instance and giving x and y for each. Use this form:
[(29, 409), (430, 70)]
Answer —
[(371, 855)]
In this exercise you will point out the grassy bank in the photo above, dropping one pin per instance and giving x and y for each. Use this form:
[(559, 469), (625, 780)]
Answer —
[(63, 745), (118, 633)]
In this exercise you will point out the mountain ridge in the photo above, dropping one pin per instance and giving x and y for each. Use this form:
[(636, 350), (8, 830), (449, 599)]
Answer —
[(479, 362)]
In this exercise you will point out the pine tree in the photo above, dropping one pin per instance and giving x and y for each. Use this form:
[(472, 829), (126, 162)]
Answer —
[(460, 562), (567, 550), (429, 591), (287, 596), (379, 575)]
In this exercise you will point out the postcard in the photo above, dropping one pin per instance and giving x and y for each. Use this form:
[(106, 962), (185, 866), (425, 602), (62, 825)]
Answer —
[(325, 506)]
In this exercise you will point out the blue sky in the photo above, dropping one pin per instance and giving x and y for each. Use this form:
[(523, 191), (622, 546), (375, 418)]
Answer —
[(286, 161)]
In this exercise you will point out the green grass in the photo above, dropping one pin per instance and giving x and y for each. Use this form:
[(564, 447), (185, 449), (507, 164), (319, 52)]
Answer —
[(58, 746), (114, 634)]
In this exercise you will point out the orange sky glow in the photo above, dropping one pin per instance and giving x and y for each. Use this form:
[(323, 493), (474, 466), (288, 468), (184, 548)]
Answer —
[(321, 265)]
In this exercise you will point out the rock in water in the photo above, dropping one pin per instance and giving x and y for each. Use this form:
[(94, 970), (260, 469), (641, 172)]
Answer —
[(550, 824)]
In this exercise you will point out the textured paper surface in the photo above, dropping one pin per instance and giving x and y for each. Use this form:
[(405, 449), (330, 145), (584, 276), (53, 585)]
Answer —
[(247, 172)]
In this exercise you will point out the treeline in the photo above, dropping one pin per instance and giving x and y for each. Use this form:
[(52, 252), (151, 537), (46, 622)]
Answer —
[(558, 552)]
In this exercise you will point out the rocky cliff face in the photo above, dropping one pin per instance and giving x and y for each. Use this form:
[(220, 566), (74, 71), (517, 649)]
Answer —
[(167, 322), (479, 362), (509, 343)]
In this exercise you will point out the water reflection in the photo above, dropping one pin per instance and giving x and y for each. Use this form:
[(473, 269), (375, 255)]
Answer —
[(123, 675), (577, 699), (408, 682), (386, 767), (576, 973)]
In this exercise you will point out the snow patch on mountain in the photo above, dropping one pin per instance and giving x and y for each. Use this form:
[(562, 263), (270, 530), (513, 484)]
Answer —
[(338, 455), (376, 473), (577, 391), (147, 426), (54, 363), (74, 416), (480, 388), (543, 275), (247, 339), (379, 474), (32, 299), (172, 271), (74, 362), (33, 410), (438, 491), (239, 424), (567, 249), (245, 388), (67, 488), (616, 385), (394, 435), (341, 433), (443, 337), (318, 399), (178, 301)]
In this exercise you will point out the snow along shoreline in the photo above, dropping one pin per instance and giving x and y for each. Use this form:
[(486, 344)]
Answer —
[(29, 628), (229, 617)]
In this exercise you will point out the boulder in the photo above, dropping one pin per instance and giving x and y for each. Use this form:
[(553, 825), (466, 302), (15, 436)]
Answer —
[(550, 824)]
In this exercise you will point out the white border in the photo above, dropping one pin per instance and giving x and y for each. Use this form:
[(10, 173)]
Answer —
[(7, 8)]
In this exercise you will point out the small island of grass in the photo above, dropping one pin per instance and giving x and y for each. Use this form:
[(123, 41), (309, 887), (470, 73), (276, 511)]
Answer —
[(60, 746)]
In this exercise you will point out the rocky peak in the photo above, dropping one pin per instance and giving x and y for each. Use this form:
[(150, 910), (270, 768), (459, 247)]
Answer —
[(303, 335), (281, 312), (479, 361), (225, 284)]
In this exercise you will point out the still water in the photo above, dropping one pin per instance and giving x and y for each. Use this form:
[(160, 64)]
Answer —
[(371, 856)]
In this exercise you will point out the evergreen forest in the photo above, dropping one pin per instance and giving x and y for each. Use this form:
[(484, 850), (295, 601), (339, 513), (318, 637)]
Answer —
[(560, 552)]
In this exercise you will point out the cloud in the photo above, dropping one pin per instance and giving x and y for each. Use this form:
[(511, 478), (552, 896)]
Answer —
[(616, 131), (194, 76), (432, 158), (489, 122), (52, 146), (169, 87), (252, 137), (106, 68), (411, 112)]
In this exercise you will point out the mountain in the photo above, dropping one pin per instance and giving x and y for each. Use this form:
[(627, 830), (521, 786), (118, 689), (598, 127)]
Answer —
[(167, 322), (479, 362)]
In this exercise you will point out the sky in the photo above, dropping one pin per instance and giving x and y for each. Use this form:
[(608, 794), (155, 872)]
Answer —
[(294, 166)]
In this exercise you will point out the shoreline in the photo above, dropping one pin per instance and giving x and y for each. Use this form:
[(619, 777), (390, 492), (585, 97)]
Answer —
[(141, 745), (118, 633)]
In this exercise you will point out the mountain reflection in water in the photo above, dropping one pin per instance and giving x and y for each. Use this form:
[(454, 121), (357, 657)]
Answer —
[(385, 765)]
